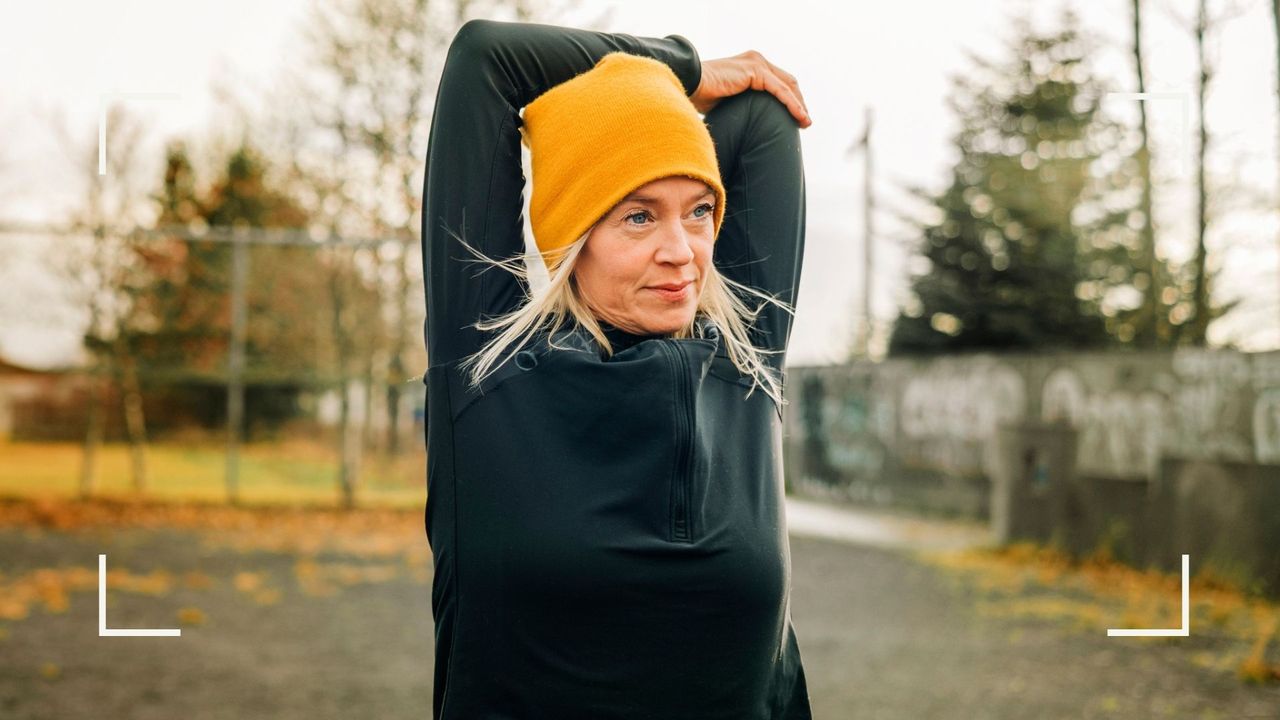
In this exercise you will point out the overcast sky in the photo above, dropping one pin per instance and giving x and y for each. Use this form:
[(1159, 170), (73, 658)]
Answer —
[(896, 57)]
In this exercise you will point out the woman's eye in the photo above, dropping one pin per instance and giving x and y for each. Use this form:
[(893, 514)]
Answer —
[(705, 206), (628, 218)]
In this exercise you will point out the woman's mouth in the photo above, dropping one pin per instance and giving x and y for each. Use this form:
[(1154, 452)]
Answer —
[(672, 291)]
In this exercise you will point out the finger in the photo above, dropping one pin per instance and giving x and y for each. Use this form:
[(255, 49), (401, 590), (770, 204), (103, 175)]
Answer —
[(784, 92), (786, 76), (774, 85), (795, 88), (790, 80)]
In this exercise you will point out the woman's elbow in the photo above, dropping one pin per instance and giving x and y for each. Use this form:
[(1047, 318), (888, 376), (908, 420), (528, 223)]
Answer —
[(475, 40)]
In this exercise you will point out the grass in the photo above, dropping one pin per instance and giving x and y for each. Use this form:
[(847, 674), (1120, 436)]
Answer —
[(332, 549), (283, 473), (1026, 580)]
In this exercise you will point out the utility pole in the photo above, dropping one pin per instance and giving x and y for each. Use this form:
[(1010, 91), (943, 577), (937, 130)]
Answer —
[(862, 340), (235, 361)]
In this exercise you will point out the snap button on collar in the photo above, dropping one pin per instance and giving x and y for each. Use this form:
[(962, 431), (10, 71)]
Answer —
[(526, 360)]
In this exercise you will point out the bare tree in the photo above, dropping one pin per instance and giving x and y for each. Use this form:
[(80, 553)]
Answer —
[(369, 89), (348, 314), (369, 96), (1148, 322), (351, 124), (103, 274), (1203, 311), (1199, 324)]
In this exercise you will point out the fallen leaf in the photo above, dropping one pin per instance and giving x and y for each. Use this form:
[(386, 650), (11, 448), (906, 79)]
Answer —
[(192, 616)]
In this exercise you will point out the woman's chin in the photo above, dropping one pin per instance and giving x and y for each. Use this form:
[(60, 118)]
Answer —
[(669, 321)]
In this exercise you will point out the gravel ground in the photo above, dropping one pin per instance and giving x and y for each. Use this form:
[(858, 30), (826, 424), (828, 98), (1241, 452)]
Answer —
[(882, 635)]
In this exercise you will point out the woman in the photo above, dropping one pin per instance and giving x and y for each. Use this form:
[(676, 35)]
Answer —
[(605, 504)]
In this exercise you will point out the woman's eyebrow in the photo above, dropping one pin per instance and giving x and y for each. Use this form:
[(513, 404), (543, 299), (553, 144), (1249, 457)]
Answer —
[(646, 200)]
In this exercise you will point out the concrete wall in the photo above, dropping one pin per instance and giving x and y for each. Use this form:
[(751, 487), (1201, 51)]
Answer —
[(921, 433), (1146, 456), (1225, 515)]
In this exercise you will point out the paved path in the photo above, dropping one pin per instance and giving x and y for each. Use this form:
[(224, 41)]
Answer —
[(806, 518), (882, 636)]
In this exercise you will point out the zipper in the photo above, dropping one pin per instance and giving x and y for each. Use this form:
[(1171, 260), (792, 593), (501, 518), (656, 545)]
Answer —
[(680, 524)]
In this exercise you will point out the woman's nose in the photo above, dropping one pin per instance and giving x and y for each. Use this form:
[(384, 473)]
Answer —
[(675, 245)]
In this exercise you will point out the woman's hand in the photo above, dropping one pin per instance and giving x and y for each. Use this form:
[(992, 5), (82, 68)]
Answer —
[(750, 70)]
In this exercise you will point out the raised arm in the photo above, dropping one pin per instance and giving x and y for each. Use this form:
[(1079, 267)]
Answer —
[(755, 110), (474, 181), (761, 242)]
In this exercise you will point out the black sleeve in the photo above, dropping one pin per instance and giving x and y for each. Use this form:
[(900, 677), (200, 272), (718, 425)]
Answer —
[(761, 242), (474, 181)]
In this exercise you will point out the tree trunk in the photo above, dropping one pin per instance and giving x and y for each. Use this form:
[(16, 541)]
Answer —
[(399, 346), (348, 440), (1199, 323), (394, 395), (347, 445), (93, 431), (134, 419), (367, 438), (100, 372), (1149, 330)]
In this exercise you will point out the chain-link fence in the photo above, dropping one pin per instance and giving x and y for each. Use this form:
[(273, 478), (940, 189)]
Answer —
[(234, 363)]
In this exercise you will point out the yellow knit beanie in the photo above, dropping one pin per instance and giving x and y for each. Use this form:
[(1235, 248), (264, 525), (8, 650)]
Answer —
[(595, 138)]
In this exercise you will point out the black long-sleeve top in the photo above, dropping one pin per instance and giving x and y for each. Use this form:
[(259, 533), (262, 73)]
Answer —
[(608, 533)]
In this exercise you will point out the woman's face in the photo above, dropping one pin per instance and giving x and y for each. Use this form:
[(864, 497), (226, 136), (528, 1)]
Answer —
[(643, 267)]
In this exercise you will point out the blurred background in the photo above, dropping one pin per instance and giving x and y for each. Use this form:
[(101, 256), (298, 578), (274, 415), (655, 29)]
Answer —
[(1036, 357)]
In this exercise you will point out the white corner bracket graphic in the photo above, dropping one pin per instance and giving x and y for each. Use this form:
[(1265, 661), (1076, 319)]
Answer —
[(1184, 119), (104, 101), (104, 632), (1183, 631)]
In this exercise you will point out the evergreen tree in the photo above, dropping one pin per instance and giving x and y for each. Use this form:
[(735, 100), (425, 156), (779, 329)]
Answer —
[(183, 319), (189, 295), (1008, 266)]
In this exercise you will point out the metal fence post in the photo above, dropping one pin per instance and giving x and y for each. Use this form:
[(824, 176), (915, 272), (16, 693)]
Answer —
[(235, 361)]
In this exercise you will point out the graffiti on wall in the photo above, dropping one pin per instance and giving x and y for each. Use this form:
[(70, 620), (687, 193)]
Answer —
[(1212, 399), (952, 409), (860, 453), (1119, 430), (1266, 426), (855, 422), (1130, 410), (1266, 408)]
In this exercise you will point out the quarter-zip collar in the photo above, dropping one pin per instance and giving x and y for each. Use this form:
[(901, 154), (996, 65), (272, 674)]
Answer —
[(621, 339), (576, 337)]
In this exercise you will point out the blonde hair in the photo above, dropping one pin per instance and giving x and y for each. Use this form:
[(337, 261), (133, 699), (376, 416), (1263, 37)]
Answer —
[(559, 303)]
